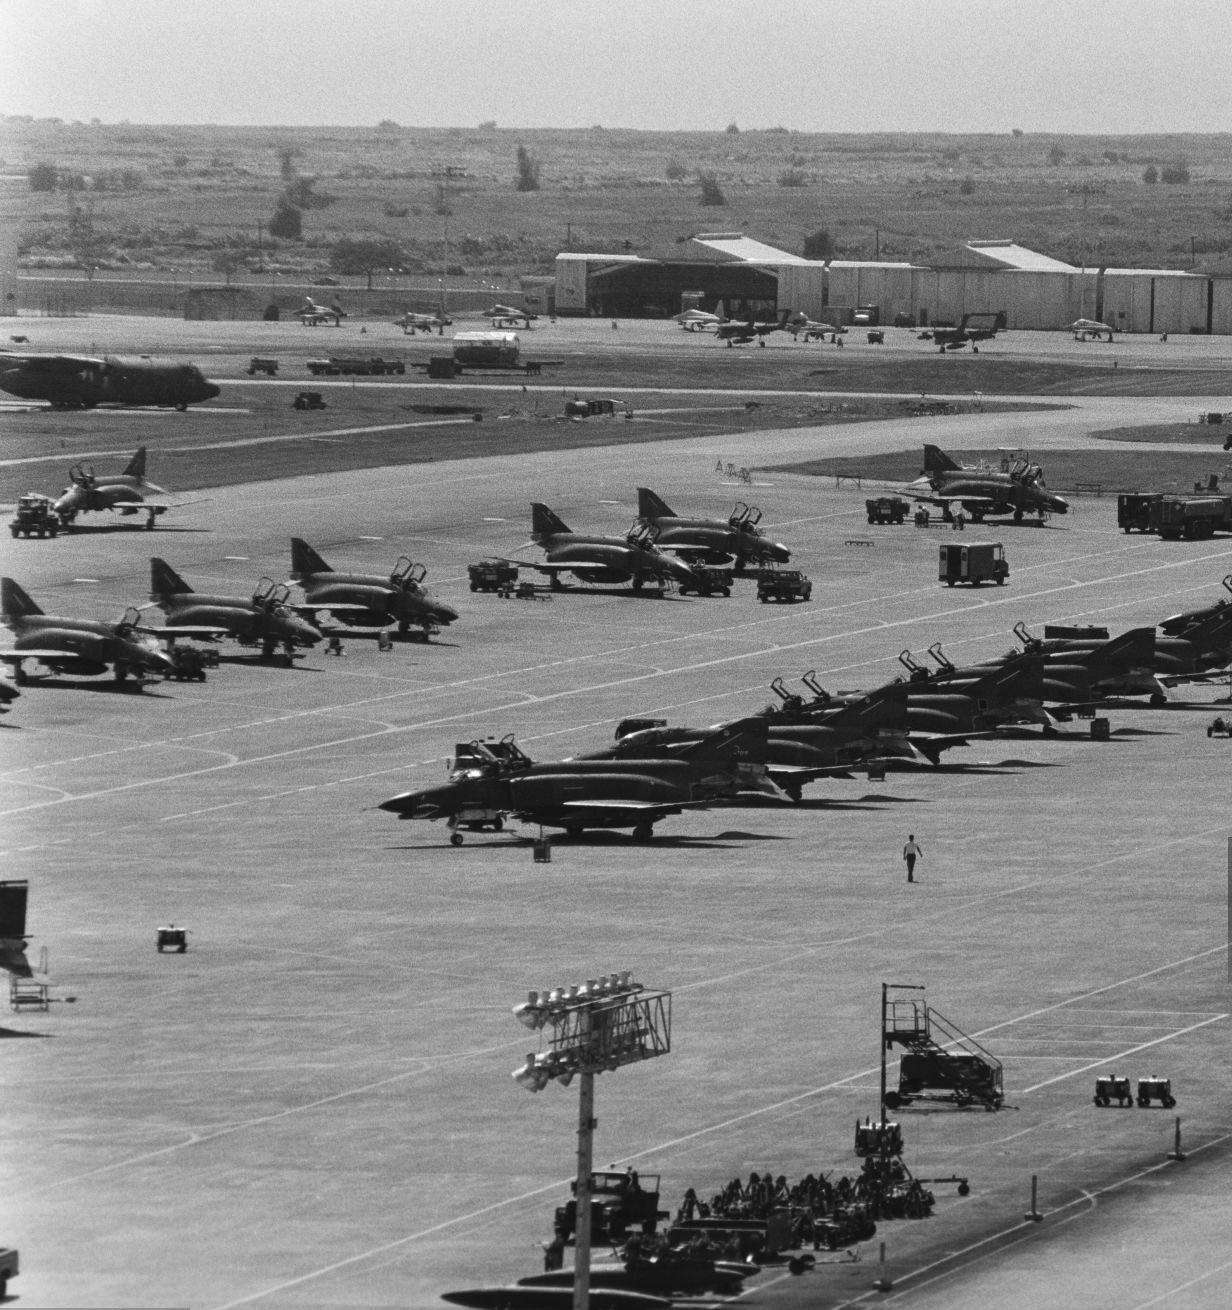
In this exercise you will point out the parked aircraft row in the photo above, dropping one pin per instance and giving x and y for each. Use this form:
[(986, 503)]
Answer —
[(660, 548), (268, 619), (786, 746)]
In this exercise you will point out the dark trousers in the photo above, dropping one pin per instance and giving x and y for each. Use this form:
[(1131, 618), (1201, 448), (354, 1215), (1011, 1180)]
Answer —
[(910, 867)]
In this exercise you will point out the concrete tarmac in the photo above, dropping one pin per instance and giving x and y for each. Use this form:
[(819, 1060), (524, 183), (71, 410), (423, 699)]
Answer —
[(312, 1107)]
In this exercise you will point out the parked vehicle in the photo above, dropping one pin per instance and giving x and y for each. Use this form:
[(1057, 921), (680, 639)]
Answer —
[(974, 562)]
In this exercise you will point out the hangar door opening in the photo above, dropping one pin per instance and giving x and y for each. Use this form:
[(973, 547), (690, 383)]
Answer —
[(657, 290)]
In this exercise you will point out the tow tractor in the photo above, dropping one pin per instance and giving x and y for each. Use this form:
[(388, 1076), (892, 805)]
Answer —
[(619, 1203), (35, 516), (707, 580), (783, 586), (491, 575)]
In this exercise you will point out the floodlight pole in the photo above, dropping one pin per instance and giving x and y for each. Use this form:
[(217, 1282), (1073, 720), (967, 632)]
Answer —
[(585, 1163)]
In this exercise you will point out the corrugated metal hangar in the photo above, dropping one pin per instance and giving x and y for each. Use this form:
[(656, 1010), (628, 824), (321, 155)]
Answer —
[(1032, 290)]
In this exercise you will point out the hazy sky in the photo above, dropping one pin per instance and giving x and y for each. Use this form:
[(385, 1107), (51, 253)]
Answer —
[(1106, 66)]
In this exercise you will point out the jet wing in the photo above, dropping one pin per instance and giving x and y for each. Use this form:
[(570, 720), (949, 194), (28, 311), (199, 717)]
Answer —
[(171, 632), (39, 653), (571, 567), (633, 807), (307, 610)]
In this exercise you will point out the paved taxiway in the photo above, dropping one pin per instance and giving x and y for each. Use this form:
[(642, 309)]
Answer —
[(312, 1107)]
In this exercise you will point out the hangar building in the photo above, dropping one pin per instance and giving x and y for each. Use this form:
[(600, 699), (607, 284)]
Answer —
[(1032, 290)]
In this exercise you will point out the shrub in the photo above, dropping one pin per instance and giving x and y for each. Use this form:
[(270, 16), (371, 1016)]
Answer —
[(819, 245), (967, 186), (43, 177), (287, 222), (712, 193), (732, 129), (791, 177), (1150, 175), (528, 171), (675, 170), (1056, 155), (1175, 171)]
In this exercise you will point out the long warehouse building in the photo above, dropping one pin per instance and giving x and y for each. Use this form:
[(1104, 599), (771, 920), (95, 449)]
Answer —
[(1031, 290)]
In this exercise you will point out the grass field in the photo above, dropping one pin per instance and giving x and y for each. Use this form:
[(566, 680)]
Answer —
[(447, 196)]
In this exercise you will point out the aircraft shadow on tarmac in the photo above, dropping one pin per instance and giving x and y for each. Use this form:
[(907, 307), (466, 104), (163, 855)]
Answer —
[(107, 686), (13, 1032), (597, 837), (101, 529)]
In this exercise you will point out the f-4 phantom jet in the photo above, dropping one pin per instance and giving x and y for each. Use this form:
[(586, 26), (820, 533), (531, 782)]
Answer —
[(582, 793), (75, 646), (128, 493), (509, 316), (737, 333), (973, 328), (1018, 489), (310, 314), (368, 599), (634, 559), (710, 541), (410, 323), (264, 619)]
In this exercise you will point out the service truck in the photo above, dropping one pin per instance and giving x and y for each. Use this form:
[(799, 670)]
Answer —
[(1191, 517), (973, 562)]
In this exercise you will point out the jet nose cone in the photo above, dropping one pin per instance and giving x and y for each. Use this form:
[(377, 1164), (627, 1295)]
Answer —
[(412, 805), (211, 389), (679, 570), (776, 551), (444, 615), (1058, 505)]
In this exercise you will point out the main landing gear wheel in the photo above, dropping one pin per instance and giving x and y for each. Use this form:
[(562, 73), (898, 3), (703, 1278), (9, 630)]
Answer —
[(643, 832), (456, 839)]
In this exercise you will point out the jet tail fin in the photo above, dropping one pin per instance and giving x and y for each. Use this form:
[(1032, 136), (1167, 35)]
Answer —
[(14, 603), (1136, 646), (649, 506), (937, 461), (305, 560), (164, 580), (544, 523), (135, 468), (744, 738)]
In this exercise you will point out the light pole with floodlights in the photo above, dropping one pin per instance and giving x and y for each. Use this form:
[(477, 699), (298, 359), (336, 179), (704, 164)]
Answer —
[(603, 1024)]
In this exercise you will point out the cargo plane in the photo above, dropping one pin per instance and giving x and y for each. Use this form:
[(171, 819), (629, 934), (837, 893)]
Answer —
[(84, 381)]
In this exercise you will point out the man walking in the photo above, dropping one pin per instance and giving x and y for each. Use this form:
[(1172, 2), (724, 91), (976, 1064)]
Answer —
[(911, 852)]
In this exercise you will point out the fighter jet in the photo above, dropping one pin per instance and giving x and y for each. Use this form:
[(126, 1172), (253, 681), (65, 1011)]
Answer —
[(579, 794), (803, 326), (410, 323), (973, 328), (263, 618), (710, 541), (981, 491), (1088, 669), (738, 333), (799, 749), (83, 381), (1175, 625), (368, 599), (310, 314), (1089, 329), (508, 316), (126, 493), (698, 320), (634, 558), (75, 646)]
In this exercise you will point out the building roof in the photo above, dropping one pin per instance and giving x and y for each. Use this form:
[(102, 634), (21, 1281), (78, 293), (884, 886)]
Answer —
[(1002, 254), (736, 246)]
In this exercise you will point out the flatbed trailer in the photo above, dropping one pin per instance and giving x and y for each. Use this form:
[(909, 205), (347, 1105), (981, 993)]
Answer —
[(339, 365)]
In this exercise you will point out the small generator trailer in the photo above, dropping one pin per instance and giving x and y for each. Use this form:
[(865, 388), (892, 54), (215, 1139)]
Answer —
[(1112, 1087), (1155, 1089), (939, 1061), (707, 580), (974, 563)]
